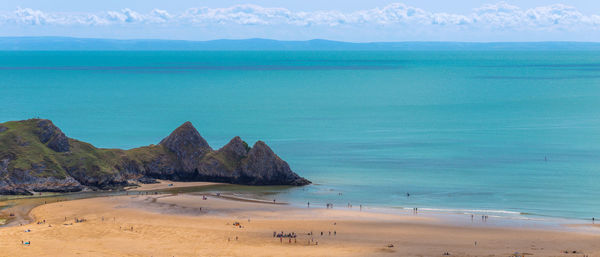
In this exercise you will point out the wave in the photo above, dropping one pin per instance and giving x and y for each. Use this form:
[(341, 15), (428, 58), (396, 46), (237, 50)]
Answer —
[(469, 211)]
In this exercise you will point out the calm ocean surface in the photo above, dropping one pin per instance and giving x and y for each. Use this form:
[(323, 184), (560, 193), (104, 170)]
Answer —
[(506, 132)]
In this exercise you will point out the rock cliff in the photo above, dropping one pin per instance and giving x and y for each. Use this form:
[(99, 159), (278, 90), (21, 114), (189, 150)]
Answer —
[(37, 156)]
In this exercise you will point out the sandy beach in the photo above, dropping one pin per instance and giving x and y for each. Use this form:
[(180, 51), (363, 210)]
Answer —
[(166, 184), (187, 225)]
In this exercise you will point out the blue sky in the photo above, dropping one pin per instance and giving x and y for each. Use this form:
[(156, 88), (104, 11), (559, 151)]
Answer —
[(359, 21)]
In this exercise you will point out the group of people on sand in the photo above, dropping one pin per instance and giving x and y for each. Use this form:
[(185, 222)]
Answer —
[(282, 235), (330, 205), (322, 233), (484, 218), (291, 235), (294, 235)]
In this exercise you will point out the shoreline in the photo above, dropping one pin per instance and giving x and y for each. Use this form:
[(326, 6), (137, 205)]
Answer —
[(458, 217), (144, 225)]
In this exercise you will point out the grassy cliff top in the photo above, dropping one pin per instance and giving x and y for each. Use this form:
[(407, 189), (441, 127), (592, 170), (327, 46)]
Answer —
[(20, 143)]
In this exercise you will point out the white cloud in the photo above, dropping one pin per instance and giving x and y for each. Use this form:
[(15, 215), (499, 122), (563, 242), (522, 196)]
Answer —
[(126, 16), (31, 17), (496, 16)]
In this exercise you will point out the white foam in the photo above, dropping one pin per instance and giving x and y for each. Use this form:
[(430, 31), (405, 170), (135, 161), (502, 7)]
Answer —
[(468, 211)]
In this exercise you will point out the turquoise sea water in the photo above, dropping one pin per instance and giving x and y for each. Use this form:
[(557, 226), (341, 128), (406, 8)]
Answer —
[(514, 132)]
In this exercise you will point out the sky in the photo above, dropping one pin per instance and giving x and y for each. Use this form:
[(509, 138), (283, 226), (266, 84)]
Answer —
[(355, 21)]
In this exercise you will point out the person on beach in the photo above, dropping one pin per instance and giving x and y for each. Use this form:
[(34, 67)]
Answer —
[(308, 204)]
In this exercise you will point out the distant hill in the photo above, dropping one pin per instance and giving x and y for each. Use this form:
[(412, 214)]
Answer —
[(92, 44)]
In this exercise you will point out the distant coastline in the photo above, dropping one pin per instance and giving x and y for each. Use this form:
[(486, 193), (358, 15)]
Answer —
[(260, 44)]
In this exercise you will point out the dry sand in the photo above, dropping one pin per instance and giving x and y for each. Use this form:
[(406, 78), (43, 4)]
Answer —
[(186, 225)]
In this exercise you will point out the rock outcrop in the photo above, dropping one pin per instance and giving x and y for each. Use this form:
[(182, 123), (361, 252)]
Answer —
[(35, 156), (52, 136), (263, 166), (188, 146)]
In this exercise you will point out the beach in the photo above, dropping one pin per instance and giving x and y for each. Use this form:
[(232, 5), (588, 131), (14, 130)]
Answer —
[(145, 224), (166, 184)]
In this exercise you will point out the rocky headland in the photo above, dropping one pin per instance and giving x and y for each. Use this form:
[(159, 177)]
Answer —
[(36, 156)]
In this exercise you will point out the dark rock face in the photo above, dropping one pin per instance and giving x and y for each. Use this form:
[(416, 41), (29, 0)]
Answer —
[(52, 136), (24, 182), (2, 129), (108, 181), (188, 145), (264, 167), (233, 163), (236, 148)]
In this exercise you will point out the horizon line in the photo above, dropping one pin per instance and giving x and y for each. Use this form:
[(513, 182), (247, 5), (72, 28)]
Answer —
[(283, 40)]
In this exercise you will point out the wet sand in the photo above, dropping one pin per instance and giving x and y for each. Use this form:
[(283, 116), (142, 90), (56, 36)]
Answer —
[(186, 225), (167, 184)]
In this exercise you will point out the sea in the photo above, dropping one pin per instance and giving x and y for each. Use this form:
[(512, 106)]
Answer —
[(513, 133)]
